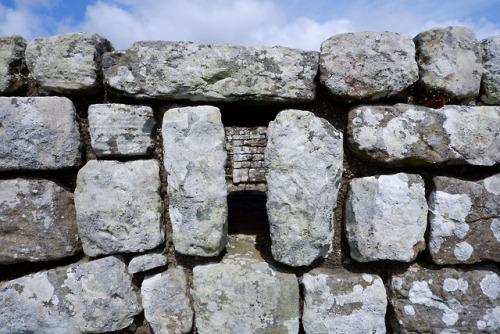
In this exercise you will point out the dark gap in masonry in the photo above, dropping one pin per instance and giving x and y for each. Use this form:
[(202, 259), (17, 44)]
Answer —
[(247, 212)]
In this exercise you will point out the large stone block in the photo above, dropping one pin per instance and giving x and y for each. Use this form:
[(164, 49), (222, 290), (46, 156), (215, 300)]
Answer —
[(12, 63), (118, 206), (445, 300), (490, 83), (303, 160), (68, 63), (92, 297), (179, 70), (338, 301), (37, 221), (194, 158), (449, 60), (367, 66), (167, 302), (245, 294), (408, 135), (464, 220), (386, 217), (38, 133), (121, 130)]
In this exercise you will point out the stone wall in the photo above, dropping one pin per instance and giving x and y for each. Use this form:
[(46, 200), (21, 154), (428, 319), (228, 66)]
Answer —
[(184, 188)]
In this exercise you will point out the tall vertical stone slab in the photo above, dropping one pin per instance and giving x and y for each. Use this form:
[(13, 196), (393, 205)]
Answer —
[(303, 161), (194, 158), (490, 83), (12, 63)]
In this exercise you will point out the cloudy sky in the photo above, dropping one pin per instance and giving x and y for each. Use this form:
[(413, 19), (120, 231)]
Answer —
[(300, 24)]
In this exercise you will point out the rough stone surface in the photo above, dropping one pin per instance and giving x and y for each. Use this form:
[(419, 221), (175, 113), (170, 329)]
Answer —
[(93, 297), (338, 301), (386, 217), (449, 60), (184, 70), (121, 130), (244, 294), (147, 262), (303, 161), (68, 63), (490, 84), (194, 157), (464, 220), (367, 66), (408, 135), (12, 63), (167, 303), (446, 300), (118, 206), (38, 133), (37, 221)]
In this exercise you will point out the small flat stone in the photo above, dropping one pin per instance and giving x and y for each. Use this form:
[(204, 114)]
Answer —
[(147, 262), (12, 67), (490, 83)]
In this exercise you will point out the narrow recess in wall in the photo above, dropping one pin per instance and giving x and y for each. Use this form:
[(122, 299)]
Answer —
[(247, 212)]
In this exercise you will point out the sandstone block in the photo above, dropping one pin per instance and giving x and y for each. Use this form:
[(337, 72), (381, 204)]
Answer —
[(146, 262), (303, 160), (12, 63), (490, 83), (464, 220), (386, 217), (121, 130), (408, 135), (38, 133), (180, 70), (446, 300), (449, 60), (118, 206), (194, 158), (338, 301), (367, 66)]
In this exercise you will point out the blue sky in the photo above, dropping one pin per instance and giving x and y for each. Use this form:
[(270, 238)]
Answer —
[(300, 24)]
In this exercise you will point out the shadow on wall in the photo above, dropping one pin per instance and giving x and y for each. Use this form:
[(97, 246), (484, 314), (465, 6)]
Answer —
[(247, 212)]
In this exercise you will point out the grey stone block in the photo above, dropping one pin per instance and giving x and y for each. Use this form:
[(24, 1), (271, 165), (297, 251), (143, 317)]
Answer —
[(12, 65), (490, 83)]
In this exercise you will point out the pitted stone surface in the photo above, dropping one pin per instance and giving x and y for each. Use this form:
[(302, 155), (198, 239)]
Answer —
[(184, 70), (386, 217), (446, 300), (408, 135), (37, 221), (449, 60), (118, 206), (92, 297), (303, 161), (147, 262), (38, 133), (245, 294), (68, 63), (464, 220), (490, 84), (121, 130), (12, 63), (338, 301), (367, 66), (194, 158), (167, 303)]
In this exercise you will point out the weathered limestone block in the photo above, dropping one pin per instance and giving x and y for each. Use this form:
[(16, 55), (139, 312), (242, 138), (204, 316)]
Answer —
[(12, 63), (464, 220), (449, 60), (386, 217), (408, 135), (37, 221), (490, 84), (338, 301), (92, 297), (167, 303), (446, 300), (118, 206), (38, 133), (68, 63), (194, 158), (121, 130), (146, 262), (185, 70), (367, 66), (303, 160), (244, 294)]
